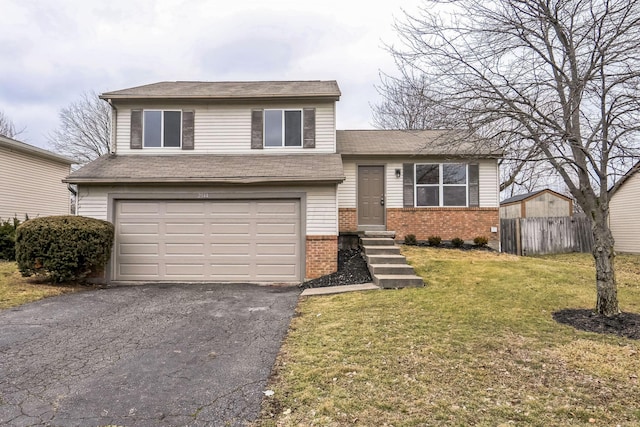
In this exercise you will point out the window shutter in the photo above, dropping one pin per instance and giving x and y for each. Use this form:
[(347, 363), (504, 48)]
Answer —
[(474, 185), (256, 129), (136, 130), (309, 128), (187, 130), (407, 181)]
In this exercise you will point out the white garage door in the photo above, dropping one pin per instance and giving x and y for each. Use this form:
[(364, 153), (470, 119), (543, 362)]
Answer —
[(177, 240)]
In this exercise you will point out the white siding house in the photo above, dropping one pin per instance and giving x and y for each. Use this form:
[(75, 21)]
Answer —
[(31, 181), (624, 218)]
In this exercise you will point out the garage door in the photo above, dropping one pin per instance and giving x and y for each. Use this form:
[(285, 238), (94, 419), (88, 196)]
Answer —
[(237, 240)]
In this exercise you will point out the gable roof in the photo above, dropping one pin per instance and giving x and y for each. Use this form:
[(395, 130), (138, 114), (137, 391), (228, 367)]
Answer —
[(211, 168), (230, 90), (411, 142), (631, 172), (521, 197), (13, 144)]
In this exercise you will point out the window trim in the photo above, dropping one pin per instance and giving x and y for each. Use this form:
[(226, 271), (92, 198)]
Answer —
[(282, 141), (440, 185), (162, 128)]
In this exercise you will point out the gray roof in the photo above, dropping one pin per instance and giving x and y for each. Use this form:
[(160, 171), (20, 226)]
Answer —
[(16, 145), (521, 197), (210, 168), (230, 90), (411, 142)]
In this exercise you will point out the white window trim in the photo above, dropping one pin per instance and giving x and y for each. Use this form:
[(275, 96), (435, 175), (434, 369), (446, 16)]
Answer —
[(161, 129), (440, 185), (282, 111)]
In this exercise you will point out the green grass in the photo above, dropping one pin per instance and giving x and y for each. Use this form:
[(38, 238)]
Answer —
[(16, 290), (476, 346)]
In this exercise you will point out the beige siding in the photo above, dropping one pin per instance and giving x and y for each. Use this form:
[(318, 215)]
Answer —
[(321, 213), (547, 205), (489, 189), (31, 185), (511, 211), (227, 129), (624, 218)]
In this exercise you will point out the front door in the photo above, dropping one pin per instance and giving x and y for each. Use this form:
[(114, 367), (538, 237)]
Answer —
[(371, 195)]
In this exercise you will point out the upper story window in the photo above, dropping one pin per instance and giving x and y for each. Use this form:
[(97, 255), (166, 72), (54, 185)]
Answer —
[(441, 184), (283, 128), (162, 128)]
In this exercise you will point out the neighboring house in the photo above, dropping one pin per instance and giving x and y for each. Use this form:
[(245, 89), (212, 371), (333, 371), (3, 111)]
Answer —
[(249, 181), (31, 181), (624, 205), (538, 204)]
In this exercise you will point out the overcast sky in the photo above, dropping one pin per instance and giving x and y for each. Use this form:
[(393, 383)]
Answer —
[(53, 51)]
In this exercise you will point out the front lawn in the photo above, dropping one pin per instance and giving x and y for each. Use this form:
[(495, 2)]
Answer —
[(476, 346), (16, 290)]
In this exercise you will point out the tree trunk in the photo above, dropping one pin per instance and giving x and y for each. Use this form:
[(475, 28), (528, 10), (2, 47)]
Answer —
[(603, 253)]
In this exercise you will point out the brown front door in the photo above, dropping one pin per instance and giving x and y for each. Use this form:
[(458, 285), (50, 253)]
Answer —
[(370, 195)]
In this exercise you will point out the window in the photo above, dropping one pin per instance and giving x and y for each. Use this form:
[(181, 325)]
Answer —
[(162, 128), (283, 128), (441, 184)]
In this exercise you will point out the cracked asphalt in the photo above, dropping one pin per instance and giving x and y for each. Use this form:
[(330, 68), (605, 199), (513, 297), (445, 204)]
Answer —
[(150, 355)]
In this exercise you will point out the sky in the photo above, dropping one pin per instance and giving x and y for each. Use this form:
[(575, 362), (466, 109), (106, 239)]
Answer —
[(53, 51)]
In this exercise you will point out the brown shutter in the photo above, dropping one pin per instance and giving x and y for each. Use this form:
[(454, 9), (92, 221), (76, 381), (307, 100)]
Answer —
[(309, 128), (474, 185), (187, 129), (256, 128), (136, 130), (407, 182)]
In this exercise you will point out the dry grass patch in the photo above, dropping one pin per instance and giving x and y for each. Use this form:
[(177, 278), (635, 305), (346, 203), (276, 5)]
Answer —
[(476, 346), (16, 290)]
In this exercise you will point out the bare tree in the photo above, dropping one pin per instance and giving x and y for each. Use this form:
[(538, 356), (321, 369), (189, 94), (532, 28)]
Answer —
[(559, 77), (7, 128), (84, 132)]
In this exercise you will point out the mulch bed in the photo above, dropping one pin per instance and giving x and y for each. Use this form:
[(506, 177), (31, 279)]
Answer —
[(352, 270), (624, 324)]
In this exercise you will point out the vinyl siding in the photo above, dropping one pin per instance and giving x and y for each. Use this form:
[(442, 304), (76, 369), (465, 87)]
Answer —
[(623, 216), (31, 185), (347, 191), (321, 213), (226, 129)]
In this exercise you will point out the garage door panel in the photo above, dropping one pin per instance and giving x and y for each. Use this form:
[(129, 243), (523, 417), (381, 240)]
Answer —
[(138, 248), (208, 240)]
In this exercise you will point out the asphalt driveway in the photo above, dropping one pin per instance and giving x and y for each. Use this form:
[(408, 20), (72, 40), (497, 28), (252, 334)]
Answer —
[(152, 355)]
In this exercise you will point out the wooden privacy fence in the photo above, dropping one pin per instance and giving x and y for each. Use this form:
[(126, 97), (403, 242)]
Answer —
[(539, 236)]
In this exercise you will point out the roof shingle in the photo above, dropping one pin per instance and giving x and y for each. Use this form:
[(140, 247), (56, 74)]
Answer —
[(210, 168)]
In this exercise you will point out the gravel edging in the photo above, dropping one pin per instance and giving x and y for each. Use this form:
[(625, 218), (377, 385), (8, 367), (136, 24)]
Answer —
[(352, 270)]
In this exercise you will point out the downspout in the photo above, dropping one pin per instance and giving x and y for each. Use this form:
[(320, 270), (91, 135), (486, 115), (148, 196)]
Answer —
[(74, 193)]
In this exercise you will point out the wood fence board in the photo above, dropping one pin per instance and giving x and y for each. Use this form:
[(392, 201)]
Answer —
[(541, 236)]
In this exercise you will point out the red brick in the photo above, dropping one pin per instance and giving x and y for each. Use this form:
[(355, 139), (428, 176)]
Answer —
[(347, 220), (322, 256)]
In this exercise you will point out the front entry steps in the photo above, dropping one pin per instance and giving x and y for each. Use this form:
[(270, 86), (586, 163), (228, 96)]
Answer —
[(388, 268)]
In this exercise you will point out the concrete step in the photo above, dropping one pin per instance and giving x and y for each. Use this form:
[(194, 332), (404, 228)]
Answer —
[(386, 259), (397, 269), (398, 281), (387, 234), (381, 250), (376, 241)]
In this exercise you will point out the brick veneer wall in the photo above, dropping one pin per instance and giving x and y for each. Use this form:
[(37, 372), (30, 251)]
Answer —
[(447, 223), (322, 256), (347, 220)]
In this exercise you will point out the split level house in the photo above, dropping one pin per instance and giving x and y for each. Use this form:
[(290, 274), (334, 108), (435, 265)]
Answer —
[(250, 181)]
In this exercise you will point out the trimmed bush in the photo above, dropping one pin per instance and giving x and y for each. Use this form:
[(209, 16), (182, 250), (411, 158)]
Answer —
[(434, 240), (481, 241), (457, 242), (8, 239), (410, 239), (64, 248)]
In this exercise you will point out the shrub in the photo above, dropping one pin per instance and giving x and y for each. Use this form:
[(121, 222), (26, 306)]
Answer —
[(8, 239), (457, 242), (434, 240), (410, 239), (63, 247), (480, 241)]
